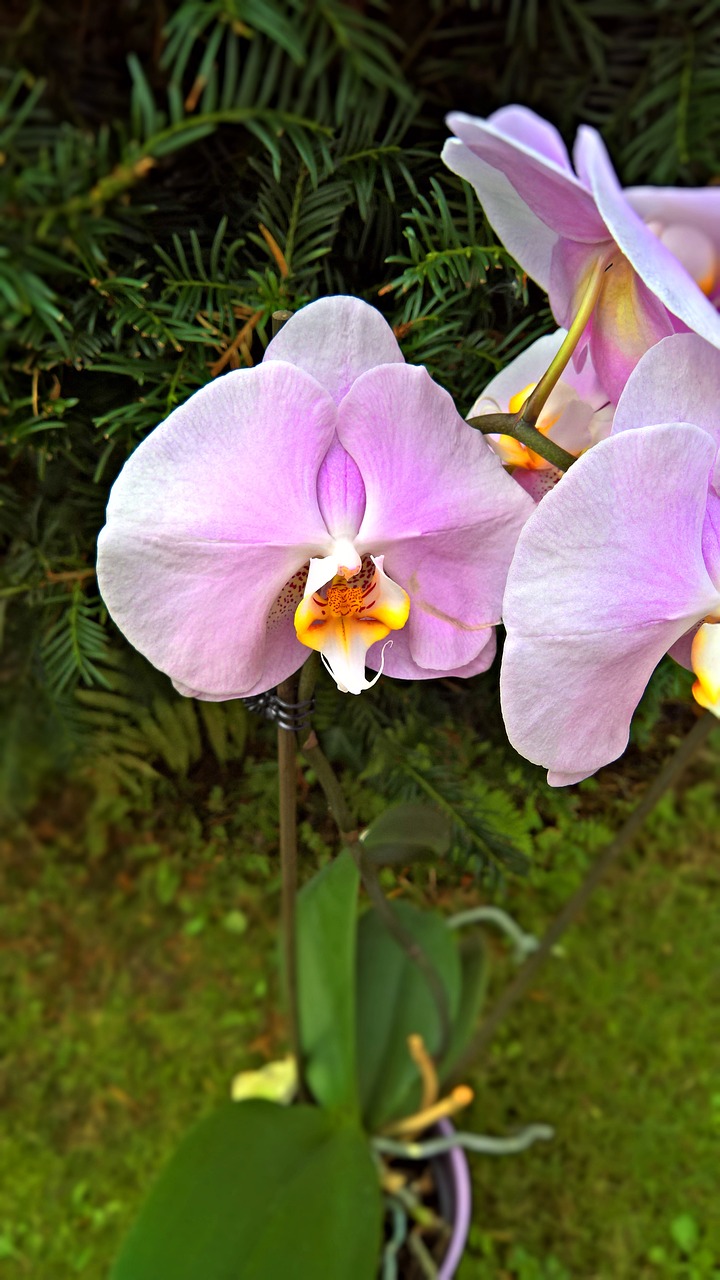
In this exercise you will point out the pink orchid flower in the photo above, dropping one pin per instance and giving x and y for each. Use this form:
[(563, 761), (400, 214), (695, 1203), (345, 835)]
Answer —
[(563, 225), (576, 415), (619, 565), (326, 499)]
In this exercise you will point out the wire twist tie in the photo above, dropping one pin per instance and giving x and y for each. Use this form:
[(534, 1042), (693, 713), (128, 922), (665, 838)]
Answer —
[(292, 716)]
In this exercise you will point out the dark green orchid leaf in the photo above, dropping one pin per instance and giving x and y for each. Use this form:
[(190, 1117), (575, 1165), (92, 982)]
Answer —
[(326, 927), (259, 1192), (473, 986), (395, 1001), (406, 832)]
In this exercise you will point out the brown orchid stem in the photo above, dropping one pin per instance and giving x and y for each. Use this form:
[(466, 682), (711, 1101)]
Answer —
[(287, 774), (278, 319), (350, 836), (666, 778), (521, 426)]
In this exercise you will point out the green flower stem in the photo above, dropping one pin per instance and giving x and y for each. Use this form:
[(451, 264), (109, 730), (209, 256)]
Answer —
[(509, 424), (535, 402), (287, 775), (666, 778), (521, 426)]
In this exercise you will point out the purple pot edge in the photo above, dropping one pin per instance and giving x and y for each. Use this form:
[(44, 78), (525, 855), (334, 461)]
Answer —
[(463, 1205)]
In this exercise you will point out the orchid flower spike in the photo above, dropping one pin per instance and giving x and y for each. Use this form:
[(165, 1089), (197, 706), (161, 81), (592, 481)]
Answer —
[(619, 565), (330, 498), (576, 415), (653, 252)]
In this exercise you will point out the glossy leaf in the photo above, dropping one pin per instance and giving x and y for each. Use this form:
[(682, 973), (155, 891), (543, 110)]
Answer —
[(393, 1002), (406, 832), (256, 1192), (326, 926)]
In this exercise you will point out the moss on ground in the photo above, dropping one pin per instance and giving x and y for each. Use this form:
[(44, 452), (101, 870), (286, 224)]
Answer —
[(137, 983), (617, 1048)]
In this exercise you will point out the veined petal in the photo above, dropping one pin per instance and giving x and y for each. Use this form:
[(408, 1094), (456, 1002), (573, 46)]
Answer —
[(340, 492), (282, 655), (522, 232), (608, 574), (679, 206), (455, 581), (549, 189), (335, 340), (207, 522), (399, 663), (678, 380), (533, 133), (439, 506), (424, 469), (567, 702), (628, 320), (654, 263), (347, 618)]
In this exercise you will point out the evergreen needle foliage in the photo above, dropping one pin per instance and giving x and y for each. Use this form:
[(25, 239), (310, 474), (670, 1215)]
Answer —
[(167, 183)]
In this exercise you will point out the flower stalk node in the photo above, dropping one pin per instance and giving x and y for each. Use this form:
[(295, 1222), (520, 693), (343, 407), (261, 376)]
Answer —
[(511, 424)]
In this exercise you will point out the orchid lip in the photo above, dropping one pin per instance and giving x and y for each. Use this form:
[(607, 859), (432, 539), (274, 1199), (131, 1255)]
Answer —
[(343, 616)]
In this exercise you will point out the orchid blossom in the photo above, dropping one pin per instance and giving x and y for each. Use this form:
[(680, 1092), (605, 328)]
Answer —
[(650, 254), (619, 565), (576, 415), (330, 498)]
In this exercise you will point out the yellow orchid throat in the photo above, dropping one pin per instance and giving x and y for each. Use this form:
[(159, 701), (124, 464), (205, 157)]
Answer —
[(512, 452), (705, 658), (345, 617)]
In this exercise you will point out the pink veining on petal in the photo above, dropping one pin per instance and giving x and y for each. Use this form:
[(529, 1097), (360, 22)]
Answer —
[(210, 517), (533, 132), (553, 192), (620, 543), (660, 270), (676, 381), (697, 207), (336, 340), (340, 492), (440, 507), (711, 537)]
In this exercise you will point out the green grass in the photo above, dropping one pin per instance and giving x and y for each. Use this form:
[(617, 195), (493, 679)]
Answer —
[(133, 993), (617, 1048), (136, 984)]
